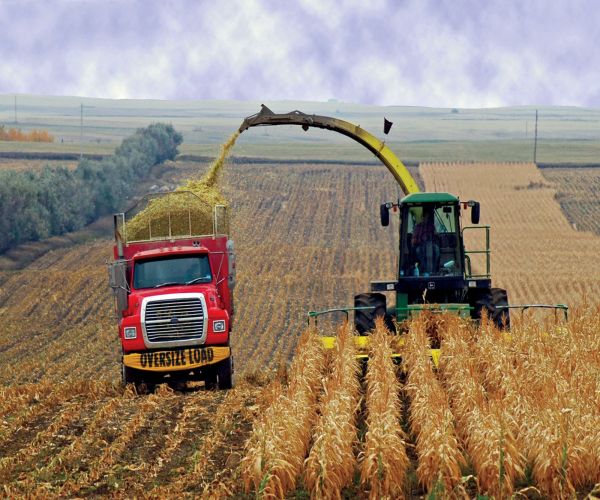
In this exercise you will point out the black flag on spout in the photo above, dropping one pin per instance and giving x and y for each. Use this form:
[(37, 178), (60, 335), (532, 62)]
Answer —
[(387, 125)]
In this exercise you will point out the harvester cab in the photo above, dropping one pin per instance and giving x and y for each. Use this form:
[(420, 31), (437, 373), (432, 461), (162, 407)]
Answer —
[(433, 266)]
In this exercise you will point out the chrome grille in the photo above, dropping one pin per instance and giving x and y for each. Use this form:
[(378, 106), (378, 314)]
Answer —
[(174, 320)]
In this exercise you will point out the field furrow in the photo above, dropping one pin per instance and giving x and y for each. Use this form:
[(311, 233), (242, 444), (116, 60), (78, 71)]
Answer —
[(502, 413)]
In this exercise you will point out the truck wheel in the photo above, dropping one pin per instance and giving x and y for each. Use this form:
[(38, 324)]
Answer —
[(128, 375), (225, 374), (210, 379)]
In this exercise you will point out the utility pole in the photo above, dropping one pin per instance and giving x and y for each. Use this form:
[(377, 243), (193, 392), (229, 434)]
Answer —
[(81, 127), (535, 140), (16, 121), (81, 132)]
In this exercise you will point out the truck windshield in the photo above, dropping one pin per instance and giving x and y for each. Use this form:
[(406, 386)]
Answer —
[(184, 270)]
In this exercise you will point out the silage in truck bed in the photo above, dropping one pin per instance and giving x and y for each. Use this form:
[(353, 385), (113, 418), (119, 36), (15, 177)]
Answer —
[(179, 214)]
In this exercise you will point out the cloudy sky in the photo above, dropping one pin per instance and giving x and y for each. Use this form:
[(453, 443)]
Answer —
[(463, 53)]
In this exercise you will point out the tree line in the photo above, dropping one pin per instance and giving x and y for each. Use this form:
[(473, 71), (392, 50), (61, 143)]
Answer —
[(56, 200), (16, 134)]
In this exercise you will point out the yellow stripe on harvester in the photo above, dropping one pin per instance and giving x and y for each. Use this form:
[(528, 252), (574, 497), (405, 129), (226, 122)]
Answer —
[(176, 359), (362, 343)]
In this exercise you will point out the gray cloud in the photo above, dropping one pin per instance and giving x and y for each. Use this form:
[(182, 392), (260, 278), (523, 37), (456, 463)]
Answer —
[(436, 53)]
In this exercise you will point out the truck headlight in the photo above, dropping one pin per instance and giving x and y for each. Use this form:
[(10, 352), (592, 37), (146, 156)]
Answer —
[(219, 326), (130, 332)]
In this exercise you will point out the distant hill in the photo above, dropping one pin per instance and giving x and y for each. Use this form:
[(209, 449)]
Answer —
[(419, 133)]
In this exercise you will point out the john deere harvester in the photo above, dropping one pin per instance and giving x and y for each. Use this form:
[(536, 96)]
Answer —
[(434, 270)]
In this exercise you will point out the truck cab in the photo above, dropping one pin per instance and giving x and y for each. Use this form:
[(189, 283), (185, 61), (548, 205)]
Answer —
[(174, 305)]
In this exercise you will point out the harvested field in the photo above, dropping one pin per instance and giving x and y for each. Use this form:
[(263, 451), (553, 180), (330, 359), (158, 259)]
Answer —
[(578, 193), (537, 255), (307, 237)]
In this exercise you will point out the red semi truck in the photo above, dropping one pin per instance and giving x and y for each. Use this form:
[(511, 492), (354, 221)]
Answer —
[(174, 298)]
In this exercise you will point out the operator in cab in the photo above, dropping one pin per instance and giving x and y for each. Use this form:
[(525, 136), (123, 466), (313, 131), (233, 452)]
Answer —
[(425, 241)]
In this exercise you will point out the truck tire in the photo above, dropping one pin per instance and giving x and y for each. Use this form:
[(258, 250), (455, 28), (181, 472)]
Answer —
[(128, 375), (225, 376), (210, 379), (364, 320)]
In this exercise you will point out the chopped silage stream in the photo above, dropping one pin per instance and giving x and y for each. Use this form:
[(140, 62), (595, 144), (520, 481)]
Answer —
[(187, 211)]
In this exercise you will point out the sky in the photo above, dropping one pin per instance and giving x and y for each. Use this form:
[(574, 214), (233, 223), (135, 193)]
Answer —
[(439, 53)]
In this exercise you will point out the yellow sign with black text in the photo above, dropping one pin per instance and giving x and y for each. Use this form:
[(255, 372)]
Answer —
[(176, 359)]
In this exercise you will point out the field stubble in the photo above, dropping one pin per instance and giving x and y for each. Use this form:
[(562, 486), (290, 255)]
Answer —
[(307, 237), (537, 255)]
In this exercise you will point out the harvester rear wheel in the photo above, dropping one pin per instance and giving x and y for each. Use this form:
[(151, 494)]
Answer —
[(501, 316)]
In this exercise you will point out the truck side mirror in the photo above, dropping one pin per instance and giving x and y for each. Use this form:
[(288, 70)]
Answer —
[(231, 263), (384, 213), (475, 211), (117, 280)]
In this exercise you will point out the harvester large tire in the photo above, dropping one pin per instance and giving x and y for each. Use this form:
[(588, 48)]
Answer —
[(489, 300), (364, 320), (500, 315)]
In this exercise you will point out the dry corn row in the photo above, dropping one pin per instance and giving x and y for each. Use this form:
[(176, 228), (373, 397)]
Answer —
[(578, 361), (553, 383), (486, 428), (439, 455), (384, 462), (331, 463), (280, 439)]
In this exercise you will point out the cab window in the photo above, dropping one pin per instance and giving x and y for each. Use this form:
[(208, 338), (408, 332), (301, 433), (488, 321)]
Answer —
[(431, 244), (181, 270)]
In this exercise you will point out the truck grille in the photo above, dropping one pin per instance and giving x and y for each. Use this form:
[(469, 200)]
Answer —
[(174, 320)]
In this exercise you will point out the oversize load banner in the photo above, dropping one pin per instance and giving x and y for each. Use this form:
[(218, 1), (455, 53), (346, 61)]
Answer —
[(176, 359)]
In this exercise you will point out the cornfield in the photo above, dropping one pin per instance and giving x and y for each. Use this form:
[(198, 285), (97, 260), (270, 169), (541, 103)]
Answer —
[(384, 462), (281, 437), (530, 426)]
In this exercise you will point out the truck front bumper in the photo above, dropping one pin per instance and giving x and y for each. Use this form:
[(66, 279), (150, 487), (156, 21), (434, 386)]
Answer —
[(187, 358)]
